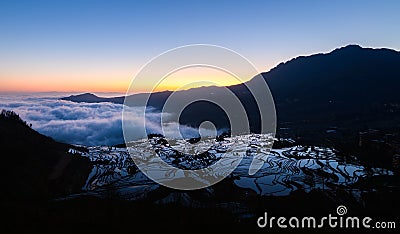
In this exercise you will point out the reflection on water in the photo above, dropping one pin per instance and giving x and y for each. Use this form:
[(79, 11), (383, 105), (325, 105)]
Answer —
[(284, 170), (301, 167)]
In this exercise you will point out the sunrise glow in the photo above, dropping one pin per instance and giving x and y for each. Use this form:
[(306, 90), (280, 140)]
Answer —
[(57, 46)]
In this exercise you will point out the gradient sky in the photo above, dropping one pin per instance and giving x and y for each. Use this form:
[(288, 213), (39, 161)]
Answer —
[(99, 46)]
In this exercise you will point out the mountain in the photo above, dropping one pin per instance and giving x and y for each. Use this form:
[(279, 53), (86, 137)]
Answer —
[(348, 81), (156, 101), (36, 166), (351, 87), (91, 98)]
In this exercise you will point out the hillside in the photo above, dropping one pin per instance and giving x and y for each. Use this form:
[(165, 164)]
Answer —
[(36, 166), (350, 83), (350, 88)]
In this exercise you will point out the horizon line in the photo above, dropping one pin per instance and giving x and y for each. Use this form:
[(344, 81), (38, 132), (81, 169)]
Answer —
[(260, 72)]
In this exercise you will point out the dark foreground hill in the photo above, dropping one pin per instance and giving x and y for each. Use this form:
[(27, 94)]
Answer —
[(35, 167)]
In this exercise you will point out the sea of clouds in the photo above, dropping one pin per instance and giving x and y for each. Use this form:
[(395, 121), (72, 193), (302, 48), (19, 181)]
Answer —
[(89, 124)]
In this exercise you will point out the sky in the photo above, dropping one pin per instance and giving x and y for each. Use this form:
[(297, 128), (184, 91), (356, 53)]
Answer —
[(99, 46)]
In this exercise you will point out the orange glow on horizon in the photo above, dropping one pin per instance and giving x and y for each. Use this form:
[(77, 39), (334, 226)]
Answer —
[(182, 79), (61, 84), (193, 77)]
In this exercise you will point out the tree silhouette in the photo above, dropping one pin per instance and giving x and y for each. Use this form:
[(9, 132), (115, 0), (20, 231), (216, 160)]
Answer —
[(11, 115)]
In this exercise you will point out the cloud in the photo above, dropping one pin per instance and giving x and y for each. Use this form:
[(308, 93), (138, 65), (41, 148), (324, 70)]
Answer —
[(88, 124), (75, 123)]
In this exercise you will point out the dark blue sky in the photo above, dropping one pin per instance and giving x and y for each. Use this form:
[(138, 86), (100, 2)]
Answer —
[(62, 42)]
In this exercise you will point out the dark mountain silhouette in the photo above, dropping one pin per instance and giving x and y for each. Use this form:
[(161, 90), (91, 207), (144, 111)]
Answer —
[(91, 98), (36, 166), (350, 82), (351, 87), (156, 101)]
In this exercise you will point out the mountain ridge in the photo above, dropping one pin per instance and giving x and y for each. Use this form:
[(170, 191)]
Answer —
[(350, 87), (89, 97)]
